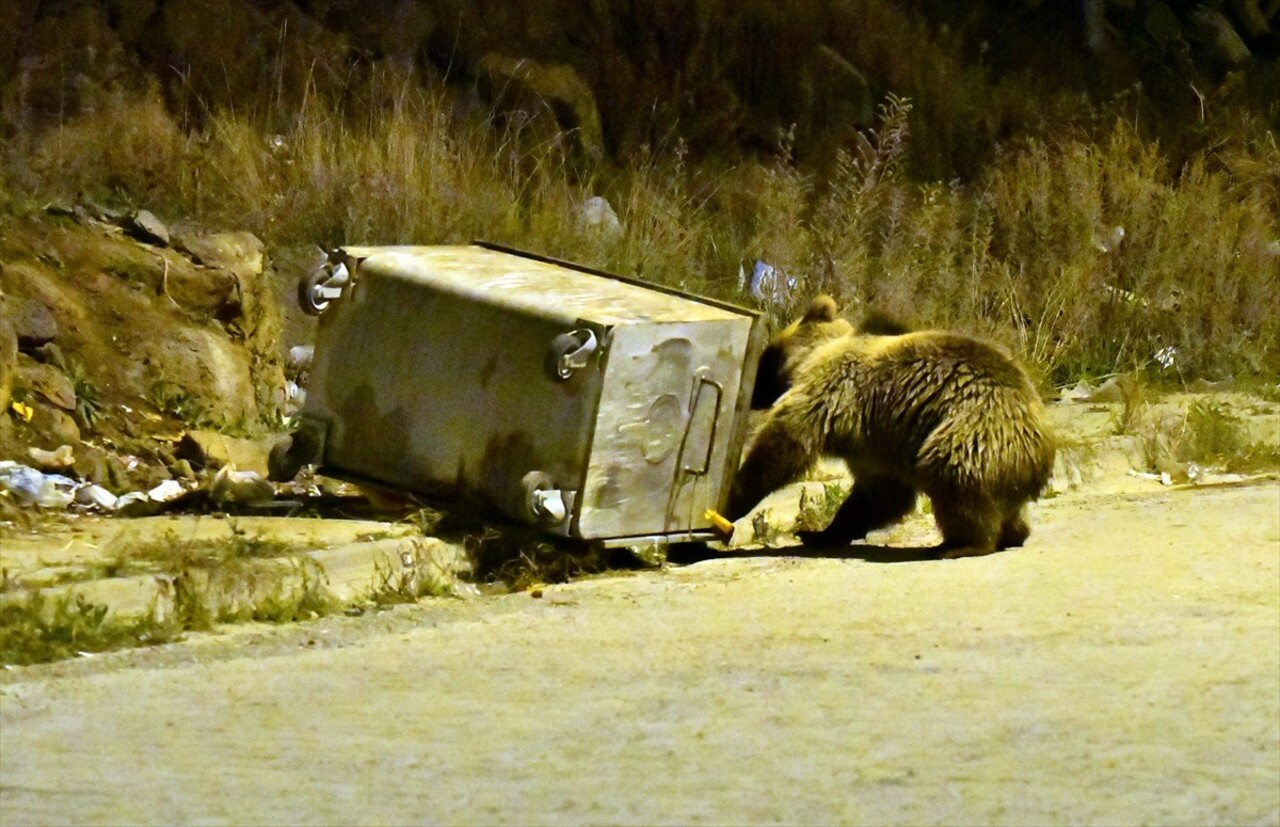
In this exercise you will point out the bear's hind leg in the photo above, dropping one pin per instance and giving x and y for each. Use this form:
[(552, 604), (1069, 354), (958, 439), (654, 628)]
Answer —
[(969, 528), (1016, 528), (874, 502)]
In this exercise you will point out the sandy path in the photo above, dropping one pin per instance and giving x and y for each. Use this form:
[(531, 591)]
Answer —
[(1123, 668)]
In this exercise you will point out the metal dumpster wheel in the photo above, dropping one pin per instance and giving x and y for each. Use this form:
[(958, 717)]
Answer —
[(309, 297)]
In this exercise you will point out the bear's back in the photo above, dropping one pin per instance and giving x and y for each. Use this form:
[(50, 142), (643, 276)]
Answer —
[(930, 396)]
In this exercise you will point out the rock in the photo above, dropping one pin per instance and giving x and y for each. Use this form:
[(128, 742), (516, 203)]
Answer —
[(1218, 38), (836, 95), (106, 212), (92, 464), (243, 487), (239, 252), (557, 86), (1162, 25), (210, 380), (144, 226), (1252, 19), (59, 460), (183, 470), (48, 382), (203, 290), (60, 208), (100, 466), (32, 322), (50, 426), (210, 449), (1109, 391)]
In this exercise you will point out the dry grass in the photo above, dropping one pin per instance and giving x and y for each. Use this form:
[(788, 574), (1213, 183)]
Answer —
[(1026, 252)]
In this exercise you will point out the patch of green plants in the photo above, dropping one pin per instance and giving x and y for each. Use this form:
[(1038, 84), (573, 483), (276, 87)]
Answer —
[(88, 401), (1127, 418), (39, 629), (410, 579), (817, 510), (175, 400), (520, 558), (234, 591), (172, 554), (1207, 434)]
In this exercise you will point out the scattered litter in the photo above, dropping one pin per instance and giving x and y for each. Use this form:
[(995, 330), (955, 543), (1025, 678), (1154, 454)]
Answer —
[(300, 357), (597, 213), (767, 284), (719, 522), (1106, 239), (1082, 391), (35, 487), (461, 588), (294, 394), (166, 491), (95, 496), (1121, 295), (1166, 356), (1163, 477), (132, 503)]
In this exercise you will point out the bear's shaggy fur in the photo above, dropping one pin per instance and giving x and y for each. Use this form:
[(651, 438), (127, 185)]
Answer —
[(935, 412)]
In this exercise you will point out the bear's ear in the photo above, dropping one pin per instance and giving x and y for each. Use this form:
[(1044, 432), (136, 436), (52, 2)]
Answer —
[(823, 309)]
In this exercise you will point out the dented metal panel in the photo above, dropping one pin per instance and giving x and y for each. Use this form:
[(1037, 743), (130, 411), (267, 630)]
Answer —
[(590, 405)]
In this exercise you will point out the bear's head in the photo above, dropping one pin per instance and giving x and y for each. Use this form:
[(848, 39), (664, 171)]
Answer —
[(784, 354)]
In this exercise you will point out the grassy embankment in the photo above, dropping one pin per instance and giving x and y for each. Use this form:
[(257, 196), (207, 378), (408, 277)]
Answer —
[(1030, 252)]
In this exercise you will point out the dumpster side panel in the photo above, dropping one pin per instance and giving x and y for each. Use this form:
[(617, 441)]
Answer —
[(437, 393)]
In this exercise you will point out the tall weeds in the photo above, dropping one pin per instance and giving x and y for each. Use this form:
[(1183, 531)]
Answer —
[(1088, 254)]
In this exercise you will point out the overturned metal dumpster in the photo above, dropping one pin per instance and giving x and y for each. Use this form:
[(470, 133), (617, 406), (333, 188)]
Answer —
[(592, 406)]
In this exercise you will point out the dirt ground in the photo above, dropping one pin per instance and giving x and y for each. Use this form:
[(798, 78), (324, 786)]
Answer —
[(1123, 668)]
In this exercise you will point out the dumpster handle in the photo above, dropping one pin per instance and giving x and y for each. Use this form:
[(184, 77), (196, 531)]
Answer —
[(703, 381), (571, 351)]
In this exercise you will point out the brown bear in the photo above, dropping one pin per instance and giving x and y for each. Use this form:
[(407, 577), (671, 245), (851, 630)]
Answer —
[(935, 412)]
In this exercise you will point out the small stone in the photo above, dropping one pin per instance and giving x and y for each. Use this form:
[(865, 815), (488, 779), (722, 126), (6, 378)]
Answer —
[(181, 469), (144, 226), (48, 382), (246, 487), (210, 449), (57, 460), (51, 425), (32, 322), (238, 252)]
